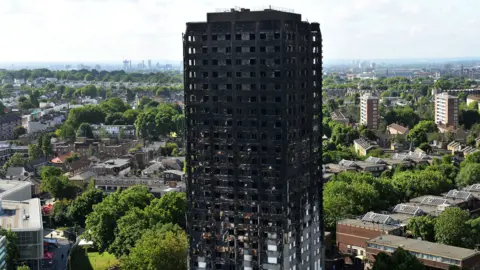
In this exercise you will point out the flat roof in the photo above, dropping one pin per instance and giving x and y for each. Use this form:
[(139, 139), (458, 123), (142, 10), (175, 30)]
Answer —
[(368, 225), (14, 213), (9, 186), (424, 247)]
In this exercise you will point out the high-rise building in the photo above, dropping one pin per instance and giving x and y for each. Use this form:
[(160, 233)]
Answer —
[(149, 64), (253, 129), (369, 115), (446, 110)]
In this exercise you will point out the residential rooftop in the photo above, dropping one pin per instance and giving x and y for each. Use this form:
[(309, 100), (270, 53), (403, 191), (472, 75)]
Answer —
[(21, 216), (424, 247), (9, 186), (368, 225)]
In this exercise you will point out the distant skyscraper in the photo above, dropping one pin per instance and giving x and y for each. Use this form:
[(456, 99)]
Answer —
[(369, 115), (126, 64), (253, 83), (150, 64), (446, 110)]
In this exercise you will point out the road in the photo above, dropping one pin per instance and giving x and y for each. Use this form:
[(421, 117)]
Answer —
[(63, 248)]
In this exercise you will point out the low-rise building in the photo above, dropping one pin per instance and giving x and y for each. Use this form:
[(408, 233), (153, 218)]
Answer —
[(352, 234), (432, 255), (15, 190), (25, 219), (339, 118), (396, 129), (16, 173), (111, 166), (363, 146)]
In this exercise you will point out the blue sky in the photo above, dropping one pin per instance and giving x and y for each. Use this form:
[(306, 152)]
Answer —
[(110, 30)]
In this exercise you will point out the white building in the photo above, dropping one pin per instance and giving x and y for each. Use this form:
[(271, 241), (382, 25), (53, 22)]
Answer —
[(15, 190), (25, 219)]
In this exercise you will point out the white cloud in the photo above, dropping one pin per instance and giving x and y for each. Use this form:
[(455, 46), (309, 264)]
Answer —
[(100, 30)]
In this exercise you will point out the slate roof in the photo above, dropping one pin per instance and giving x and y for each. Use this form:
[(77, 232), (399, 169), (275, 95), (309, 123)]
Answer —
[(462, 195), (408, 209), (430, 200), (377, 218), (375, 160)]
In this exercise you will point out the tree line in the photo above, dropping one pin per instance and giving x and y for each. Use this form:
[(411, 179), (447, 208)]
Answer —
[(94, 75)]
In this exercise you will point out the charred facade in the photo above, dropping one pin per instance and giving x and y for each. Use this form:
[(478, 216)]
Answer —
[(253, 130)]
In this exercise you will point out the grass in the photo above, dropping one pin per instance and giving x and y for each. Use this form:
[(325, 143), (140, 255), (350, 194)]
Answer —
[(92, 260)]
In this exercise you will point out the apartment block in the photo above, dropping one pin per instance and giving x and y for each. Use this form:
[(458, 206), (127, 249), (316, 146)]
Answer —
[(253, 130), (446, 110), (369, 115)]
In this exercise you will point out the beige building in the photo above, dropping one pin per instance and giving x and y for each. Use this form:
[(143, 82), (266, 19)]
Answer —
[(369, 115), (446, 110)]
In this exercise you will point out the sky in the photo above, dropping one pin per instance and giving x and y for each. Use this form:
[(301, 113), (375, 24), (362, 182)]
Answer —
[(113, 30)]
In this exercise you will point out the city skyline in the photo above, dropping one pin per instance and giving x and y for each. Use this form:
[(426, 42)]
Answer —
[(106, 30)]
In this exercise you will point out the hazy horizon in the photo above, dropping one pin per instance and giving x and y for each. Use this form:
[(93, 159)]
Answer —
[(113, 30)]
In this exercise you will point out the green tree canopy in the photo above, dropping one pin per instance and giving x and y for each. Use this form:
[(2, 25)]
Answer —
[(422, 226), (12, 250), (400, 260), (83, 205), (130, 116), (102, 222), (451, 227), (158, 249), (16, 160), (19, 131), (34, 152), (91, 114), (85, 130), (417, 183), (418, 134), (469, 174)]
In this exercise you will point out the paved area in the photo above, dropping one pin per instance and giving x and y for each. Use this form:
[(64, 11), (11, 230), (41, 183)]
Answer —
[(63, 248)]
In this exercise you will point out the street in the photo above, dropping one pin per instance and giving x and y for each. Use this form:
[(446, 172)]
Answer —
[(63, 248)]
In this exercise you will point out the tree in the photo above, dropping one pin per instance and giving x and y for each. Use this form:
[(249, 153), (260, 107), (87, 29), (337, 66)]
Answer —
[(83, 205), (400, 260), (451, 227), (405, 116), (422, 226), (59, 213), (85, 130), (59, 187), (91, 114), (369, 134), (468, 175), (66, 132), (472, 158), (425, 147), (89, 77), (417, 183), (12, 250), (116, 118), (46, 145), (23, 267), (130, 116), (114, 105), (19, 131), (169, 208), (145, 125), (418, 134), (34, 152), (468, 118), (342, 199), (158, 249), (16, 160), (100, 225)]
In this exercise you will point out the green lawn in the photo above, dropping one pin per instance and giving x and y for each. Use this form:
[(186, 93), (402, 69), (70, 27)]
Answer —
[(92, 260)]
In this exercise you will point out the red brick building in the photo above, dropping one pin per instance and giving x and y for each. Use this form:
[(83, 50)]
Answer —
[(353, 234)]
